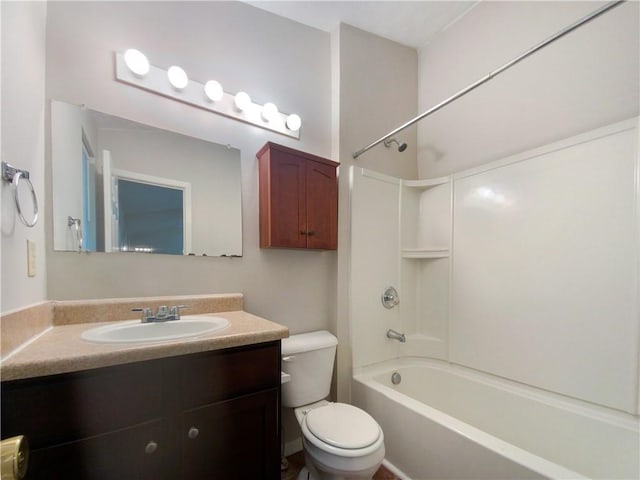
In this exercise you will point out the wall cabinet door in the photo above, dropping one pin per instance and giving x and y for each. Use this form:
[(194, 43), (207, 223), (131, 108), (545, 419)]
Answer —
[(298, 199)]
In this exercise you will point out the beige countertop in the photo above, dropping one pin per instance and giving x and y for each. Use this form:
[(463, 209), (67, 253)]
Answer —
[(59, 349)]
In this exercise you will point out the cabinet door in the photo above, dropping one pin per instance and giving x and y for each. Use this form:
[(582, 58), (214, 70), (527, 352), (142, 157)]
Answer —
[(287, 202), (298, 199), (233, 440), (322, 206), (136, 453)]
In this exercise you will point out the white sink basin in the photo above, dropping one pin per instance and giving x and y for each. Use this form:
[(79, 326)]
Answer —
[(137, 332)]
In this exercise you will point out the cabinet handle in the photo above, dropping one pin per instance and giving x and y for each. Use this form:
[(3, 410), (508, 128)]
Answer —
[(193, 433), (311, 232), (303, 232), (151, 447)]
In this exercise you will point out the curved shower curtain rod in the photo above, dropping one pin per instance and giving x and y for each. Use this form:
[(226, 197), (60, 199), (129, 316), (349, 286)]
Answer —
[(486, 78)]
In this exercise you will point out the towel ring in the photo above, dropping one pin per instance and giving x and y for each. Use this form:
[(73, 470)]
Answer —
[(16, 180), (15, 175), (75, 223)]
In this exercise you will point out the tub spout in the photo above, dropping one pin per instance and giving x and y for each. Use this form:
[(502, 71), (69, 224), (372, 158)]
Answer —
[(392, 334)]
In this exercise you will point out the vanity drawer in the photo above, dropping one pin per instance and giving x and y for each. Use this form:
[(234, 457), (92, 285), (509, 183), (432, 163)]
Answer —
[(218, 375), (67, 407)]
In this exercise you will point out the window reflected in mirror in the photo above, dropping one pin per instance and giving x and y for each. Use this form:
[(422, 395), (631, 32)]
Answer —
[(150, 218)]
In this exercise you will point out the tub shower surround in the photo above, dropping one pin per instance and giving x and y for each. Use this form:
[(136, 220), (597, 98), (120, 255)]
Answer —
[(518, 286)]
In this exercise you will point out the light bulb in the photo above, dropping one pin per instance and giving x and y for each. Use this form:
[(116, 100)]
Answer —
[(213, 90), (294, 122), (269, 112), (136, 62), (177, 77), (242, 100)]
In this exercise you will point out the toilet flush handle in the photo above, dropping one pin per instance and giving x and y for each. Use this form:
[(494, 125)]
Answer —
[(290, 358)]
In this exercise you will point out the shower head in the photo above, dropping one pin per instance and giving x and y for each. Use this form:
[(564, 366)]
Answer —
[(401, 146)]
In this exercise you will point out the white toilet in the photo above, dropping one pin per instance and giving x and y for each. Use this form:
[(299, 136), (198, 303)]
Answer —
[(341, 442)]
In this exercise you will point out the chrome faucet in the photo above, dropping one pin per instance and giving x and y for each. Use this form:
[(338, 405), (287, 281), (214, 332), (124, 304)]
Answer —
[(392, 334), (164, 313)]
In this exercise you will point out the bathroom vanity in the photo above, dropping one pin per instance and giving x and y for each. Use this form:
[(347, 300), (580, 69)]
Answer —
[(210, 411), (205, 415)]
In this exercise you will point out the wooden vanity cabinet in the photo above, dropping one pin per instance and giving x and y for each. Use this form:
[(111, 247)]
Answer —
[(298, 199), (199, 416)]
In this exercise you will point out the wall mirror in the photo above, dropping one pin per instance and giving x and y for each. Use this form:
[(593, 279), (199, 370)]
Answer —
[(121, 186)]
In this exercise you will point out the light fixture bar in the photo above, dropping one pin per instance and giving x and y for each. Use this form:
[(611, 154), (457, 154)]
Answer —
[(194, 94)]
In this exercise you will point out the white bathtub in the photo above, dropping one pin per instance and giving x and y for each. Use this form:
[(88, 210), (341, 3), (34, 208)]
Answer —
[(448, 422)]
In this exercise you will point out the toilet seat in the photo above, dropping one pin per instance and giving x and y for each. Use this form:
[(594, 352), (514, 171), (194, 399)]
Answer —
[(343, 426), (342, 430)]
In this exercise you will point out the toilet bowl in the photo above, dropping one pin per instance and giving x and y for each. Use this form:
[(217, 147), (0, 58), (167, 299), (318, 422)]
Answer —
[(340, 441)]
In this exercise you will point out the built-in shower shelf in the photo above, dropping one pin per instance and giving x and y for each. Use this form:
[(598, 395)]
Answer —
[(426, 183), (425, 253)]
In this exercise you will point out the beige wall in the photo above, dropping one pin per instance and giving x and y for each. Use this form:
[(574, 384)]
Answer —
[(245, 49), (377, 93), (585, 80), (22, 145)]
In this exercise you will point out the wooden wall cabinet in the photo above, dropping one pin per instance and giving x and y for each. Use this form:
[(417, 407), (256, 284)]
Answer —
[(200, 416), (298, 199)]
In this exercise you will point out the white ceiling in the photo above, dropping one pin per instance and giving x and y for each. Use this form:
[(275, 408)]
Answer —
[(412, 23)]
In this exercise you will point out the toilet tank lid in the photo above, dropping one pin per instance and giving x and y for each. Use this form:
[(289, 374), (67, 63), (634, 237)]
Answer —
[(307, 342)]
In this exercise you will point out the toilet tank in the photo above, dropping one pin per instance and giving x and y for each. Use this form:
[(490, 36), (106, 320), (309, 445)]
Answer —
[(308, 358)]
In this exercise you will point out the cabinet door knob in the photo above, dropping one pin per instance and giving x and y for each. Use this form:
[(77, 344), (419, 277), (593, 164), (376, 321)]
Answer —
[(193, 433), (151, 447)]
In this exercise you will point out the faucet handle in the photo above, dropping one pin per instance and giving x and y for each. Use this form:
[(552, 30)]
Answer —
[(390, 297), (146, 312), (175, 311)]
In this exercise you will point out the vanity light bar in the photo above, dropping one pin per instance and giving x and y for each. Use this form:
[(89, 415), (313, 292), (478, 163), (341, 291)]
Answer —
[(179, 87)]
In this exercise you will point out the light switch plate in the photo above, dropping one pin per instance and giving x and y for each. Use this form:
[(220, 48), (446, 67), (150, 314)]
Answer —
[(31, 258)]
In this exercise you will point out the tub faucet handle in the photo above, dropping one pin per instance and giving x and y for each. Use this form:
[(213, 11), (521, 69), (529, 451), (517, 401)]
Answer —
[(390, 297)]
